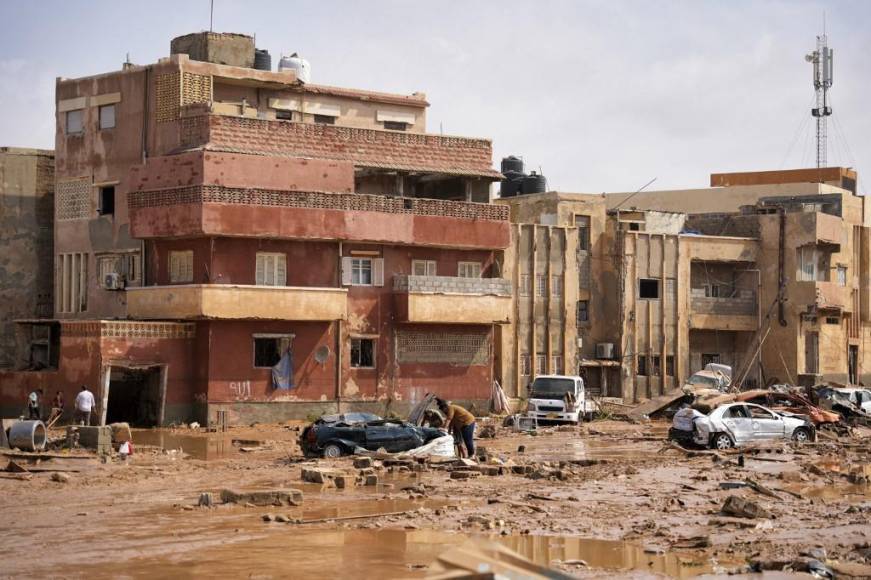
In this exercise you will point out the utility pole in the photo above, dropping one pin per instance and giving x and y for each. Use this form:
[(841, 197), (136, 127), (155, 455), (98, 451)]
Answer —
[(822, 61)]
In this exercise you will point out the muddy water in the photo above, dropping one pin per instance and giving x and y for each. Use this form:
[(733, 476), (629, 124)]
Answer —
[(196, 445), (570, 446)]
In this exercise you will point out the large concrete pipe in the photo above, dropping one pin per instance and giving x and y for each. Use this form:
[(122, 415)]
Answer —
[(27, 435)]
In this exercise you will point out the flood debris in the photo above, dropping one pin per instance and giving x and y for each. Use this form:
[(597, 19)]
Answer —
[(497, 561), (291, 497), (740, 507)]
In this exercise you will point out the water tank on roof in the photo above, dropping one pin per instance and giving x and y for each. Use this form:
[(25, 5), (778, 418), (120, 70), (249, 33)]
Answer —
[(296, 63), (510, 186), (262, 59), (533, 183), (512, 163)]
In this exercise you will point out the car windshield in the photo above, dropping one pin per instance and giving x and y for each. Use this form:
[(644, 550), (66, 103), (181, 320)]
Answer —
[(698, 379), (544, 387)]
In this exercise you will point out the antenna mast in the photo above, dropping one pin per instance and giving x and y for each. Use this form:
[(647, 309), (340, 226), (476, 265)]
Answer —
[(822, 61)]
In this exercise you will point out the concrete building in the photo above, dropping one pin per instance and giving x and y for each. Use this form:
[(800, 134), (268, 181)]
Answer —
[(235, 244), (26, 262), (638, 291)]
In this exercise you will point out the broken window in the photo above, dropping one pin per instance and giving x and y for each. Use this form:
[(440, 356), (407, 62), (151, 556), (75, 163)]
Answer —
[(271, 269), (582, 222), (268, 349), (656, 366), (75, 122), (813, 264), (469, 269), (423, 267), (107, 117), (583, 312), (669, 365), (648, 288), (181, 267), (395, 126), (363, 353), (325, 119), (107, 200), (642, 366)]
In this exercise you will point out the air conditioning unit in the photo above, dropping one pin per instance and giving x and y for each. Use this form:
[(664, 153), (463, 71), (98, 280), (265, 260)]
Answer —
[(605, 350), (113, 281)]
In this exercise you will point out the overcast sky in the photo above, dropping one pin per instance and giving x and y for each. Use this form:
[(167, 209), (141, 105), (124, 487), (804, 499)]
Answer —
[(602, 95)]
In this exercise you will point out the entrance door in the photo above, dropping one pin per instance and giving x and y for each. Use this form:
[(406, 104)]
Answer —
[(811, 353), (853, 363), (134, 397)]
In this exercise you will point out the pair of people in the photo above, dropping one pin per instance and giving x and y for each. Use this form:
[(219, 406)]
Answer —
[(85, 403), (459, 422)]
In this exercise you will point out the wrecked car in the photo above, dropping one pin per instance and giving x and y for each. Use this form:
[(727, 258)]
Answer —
[(737, 424), (715, 376), (790, 403), (334, 439)]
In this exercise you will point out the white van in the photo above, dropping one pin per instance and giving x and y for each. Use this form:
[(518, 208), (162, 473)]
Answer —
[(559, 398)]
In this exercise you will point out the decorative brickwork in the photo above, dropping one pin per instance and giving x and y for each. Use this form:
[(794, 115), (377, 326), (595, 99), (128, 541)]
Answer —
[(744, 304), (315, 200), (128, 329), (451, 285), (73, 199), (196, 88), (167, 91), (439, 347)]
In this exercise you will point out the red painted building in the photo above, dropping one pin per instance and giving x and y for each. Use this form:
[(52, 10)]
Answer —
[(214, 222)]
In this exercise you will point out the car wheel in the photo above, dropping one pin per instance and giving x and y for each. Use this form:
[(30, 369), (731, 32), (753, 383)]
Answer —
[(333, 450), (801, 435), (721, 441)]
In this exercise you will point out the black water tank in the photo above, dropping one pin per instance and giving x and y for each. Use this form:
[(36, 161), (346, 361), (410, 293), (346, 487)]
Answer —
[(510, 186), (533, 183), (262, 59), (512, 163)]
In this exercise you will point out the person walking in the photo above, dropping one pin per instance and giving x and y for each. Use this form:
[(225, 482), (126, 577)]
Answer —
[(57, 407), (459, 421), (84, 405), (33, 402)]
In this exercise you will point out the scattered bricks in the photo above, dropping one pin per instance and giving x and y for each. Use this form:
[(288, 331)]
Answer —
[(464, 474), (341, 481), (291, 497), (362, 462), (366, 471), (319, 475), (522, 469), (743, 508), (490, 470), (371, 480)]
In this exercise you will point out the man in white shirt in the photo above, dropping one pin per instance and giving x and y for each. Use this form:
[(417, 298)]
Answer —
[(84, 405), (33, 405)]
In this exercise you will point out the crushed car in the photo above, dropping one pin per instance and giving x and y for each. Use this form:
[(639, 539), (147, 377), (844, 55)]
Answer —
[(737, 424), (326, 438), (714, 376), (789, 403)]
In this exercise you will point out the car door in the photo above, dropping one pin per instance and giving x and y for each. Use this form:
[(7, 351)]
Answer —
[(737, 421), (764, 423)]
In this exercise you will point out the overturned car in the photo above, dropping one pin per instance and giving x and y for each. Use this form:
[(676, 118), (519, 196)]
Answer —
[(738, 424), (334, 438)]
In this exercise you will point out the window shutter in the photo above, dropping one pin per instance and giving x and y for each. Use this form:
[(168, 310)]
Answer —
[(269, 264), (173, 267), (281, 270), (188, 266), (378, 272), (431, 268), (346, 271), (260, 271)]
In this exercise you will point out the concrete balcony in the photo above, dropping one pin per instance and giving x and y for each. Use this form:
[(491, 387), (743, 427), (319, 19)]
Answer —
[(737, 313), (236, 302), (822, 295), (815, 229), (216, 210), (451, 300), (720, 248)]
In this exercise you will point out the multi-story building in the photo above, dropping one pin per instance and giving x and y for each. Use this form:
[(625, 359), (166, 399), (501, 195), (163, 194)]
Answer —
[(766, 272), (234, 240)]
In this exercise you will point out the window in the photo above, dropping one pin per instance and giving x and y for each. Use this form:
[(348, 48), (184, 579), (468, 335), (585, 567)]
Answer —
[(656, 366), (75, 122), (759, 413), (325, 119), (642, 366), (469, 269), (583, 312), (395, 126), (107, 117), (525, 285), (72, 282), (813, 264), (540, 363), (557, 361), (738, 412), (361, 271), (125, 264), (181, 267), (833, 320), (669, 365), (423, 267), (712, 291), (842, 275), (271, 269), (710, 358), (107, 200), (268, 349), (363, 353), (582, 222), (525, 369), (556, 285), (648, 288), (541, 285), (284, 115)]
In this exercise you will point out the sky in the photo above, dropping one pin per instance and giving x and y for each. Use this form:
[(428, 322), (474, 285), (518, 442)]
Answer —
[(600, 95)]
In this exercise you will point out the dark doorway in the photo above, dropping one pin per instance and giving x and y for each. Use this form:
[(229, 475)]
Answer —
[(134, 397), (853, 363)]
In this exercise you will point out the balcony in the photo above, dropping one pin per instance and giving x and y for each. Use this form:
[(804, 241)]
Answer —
[(215, 210), (720, 248), (822, 295), (814, 229), (736, 313), (451, 300), (236, 302)]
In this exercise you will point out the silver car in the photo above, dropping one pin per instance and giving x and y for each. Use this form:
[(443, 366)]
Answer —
[(741, 423)]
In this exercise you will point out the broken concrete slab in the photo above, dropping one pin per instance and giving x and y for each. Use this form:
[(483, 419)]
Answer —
[(92, 437), (290, 496), (320, 475), (743, 508), (362, 462)]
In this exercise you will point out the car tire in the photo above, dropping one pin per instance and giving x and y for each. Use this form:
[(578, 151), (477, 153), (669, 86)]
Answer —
[(333, 450), (801, 435), (721, 441)]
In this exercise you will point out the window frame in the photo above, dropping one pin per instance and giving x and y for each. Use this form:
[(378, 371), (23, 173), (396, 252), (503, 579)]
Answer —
[(541, 285), (279, 275), (68, 116), (556, 285), (525, 365), (100, 109), (357, 269), (102, 190), (641, 365), (180, 255), (278, 338), (320, 119), (540, 363), (361, 340), (586, 310), (462, 268), (427, 265), (395, 126), (525, 283), (557, 361), (841, 275), (658, 282)]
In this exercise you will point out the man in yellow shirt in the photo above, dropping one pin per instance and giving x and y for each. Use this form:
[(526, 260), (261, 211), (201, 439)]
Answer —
[(459, 421)]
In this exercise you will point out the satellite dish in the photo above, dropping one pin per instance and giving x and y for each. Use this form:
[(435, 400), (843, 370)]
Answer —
[(322, 354)]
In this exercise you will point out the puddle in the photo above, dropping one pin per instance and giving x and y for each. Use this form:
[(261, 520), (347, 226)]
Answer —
[(574, 447), (198, 446), (850, 493)]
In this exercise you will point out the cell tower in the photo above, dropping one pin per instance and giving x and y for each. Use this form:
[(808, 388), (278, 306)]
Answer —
[(822, 61)]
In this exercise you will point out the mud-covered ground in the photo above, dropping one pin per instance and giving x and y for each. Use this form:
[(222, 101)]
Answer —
[(609, 498)]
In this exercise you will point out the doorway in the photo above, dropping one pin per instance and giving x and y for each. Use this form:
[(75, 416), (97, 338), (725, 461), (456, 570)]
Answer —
[(135, 396), (811, 353), (853, 363)]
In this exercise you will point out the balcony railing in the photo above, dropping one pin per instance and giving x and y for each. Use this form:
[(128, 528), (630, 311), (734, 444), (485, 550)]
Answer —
[(451, 285), (452, 300), (743, 303)]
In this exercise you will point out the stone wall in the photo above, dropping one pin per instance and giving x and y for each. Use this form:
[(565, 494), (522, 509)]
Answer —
[(744, 303)]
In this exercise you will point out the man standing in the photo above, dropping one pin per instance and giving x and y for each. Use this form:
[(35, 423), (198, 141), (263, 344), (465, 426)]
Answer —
[(459, 421), (84, 405), (33, 401), (57, 407)]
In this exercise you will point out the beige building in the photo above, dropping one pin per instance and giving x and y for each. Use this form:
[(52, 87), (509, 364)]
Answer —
[(638, 291)]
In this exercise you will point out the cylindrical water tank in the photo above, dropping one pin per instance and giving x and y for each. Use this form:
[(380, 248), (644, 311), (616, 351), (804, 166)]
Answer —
[(511, 185), (27, 435), (534, 183), (512, 163), (296, 63), (262, 59)]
